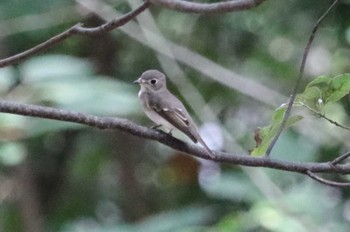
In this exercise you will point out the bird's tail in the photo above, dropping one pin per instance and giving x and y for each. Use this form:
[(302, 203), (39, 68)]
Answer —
[(210, 153)]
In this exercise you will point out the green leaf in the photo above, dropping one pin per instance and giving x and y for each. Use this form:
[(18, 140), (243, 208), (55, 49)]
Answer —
[(323, 90), (339, 86), (314, 92), (311, 94), (265, 135), (319, 81)]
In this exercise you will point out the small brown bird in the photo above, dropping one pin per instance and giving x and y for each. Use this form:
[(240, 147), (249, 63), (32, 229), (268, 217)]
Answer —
[(163, 108)]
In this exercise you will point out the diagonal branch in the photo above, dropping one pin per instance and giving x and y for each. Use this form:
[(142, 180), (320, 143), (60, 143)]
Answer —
[(340, 158), (300, 76), (147, 133), (325, 117), (77, 29), (208, 8), (327, 182)]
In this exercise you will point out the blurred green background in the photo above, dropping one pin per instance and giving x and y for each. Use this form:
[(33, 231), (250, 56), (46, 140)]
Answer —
[(231, 70)]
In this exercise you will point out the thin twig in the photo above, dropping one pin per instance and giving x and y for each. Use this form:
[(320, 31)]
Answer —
[(78, 29), (327, 182), (208, 8), (341, 158), (325, 117), (300, 76), (75, 30), (115, 22), (147, 133)]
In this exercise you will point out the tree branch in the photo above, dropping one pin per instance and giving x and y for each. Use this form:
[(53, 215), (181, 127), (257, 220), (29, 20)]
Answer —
[(208, 8), (77, 29), (307, 168), (300, 76), (325, 117), (341, 158), (147, 133), (327, 182)]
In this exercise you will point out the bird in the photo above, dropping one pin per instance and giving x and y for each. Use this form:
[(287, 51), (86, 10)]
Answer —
[(164, 108)]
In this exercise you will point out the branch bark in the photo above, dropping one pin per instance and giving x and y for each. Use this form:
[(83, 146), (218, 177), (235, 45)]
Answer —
[(307, 168), (147, 133), (77, 29), (327, 182), (208, 8)]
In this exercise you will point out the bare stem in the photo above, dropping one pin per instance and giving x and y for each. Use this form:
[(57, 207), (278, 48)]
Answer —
[(300, 76), (327, 182), (341, 158), (325, 117)]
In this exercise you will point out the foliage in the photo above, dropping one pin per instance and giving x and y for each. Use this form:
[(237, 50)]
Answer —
[(65, 177), (317, 94), (323, 90)]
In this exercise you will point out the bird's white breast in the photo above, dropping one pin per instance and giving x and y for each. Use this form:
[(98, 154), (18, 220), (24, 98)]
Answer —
[(153, 115), (159, 120)]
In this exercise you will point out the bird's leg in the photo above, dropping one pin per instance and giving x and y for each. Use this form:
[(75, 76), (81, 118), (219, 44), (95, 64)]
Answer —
[(155, 127)]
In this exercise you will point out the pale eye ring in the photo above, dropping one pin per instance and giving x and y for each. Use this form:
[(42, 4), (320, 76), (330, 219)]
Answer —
[(153, 81)]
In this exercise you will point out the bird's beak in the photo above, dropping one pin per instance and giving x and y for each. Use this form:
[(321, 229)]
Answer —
[(137, 81)]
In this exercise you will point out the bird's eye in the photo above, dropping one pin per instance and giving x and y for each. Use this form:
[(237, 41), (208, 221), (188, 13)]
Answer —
[(153, 81)]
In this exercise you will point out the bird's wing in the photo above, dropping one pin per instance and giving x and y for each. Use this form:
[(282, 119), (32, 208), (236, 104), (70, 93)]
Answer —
[(178, 119), (178, 115)]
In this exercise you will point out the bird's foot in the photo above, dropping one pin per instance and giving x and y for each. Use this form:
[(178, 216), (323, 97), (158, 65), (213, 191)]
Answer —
[(156, 127)]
